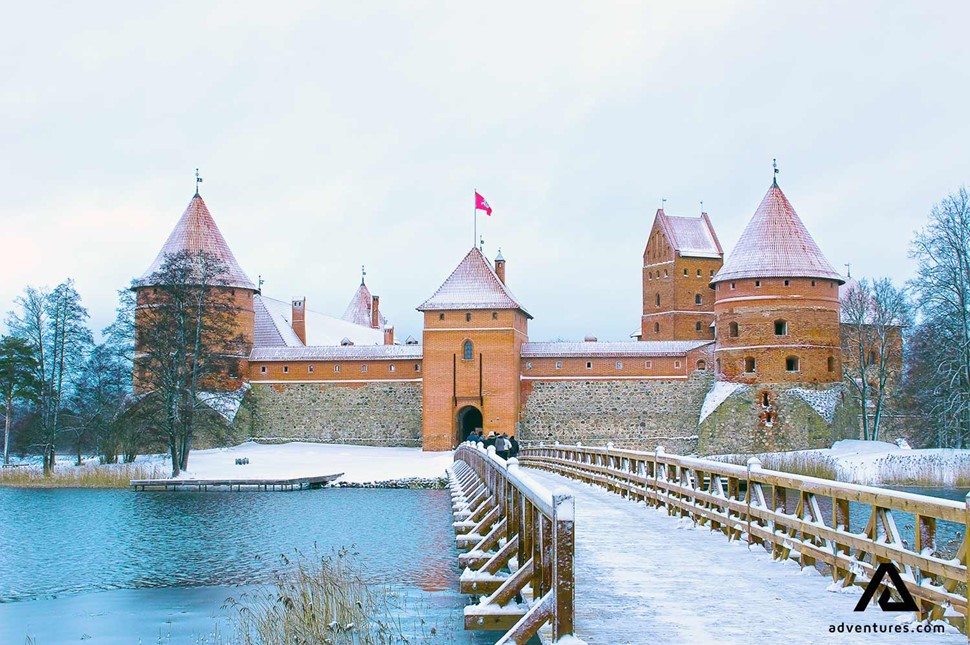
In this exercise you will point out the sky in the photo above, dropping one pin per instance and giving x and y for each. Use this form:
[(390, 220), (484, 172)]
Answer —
[(335, 135)]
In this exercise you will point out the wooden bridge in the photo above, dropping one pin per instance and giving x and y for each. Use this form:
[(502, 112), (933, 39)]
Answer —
[(638, 579)]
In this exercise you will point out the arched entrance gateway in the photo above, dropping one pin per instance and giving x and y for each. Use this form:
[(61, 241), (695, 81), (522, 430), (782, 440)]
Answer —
[(469, 419)]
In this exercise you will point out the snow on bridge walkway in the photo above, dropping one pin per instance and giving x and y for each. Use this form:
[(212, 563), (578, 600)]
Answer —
[(642, 578)]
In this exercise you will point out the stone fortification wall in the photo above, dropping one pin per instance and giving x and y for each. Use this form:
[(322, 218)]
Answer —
[(639, 414), (771, 418), (373, 414)]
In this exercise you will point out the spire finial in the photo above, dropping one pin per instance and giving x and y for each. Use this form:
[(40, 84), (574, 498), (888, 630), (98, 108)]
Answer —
[(774, 180), (363, 272), (663, 203), (481, 243), (198, 180), (260, 281), (702, 207), (848, 269)]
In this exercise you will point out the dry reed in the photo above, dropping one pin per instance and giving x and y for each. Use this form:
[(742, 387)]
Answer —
[(87, 476)]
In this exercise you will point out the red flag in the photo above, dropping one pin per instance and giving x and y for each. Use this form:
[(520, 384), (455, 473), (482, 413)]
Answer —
[(482, 205)]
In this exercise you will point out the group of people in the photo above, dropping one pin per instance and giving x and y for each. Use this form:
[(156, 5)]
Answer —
[(506, 447)]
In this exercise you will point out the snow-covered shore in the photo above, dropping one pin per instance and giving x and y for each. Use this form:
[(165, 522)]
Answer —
[(879, 463), (359, 464)]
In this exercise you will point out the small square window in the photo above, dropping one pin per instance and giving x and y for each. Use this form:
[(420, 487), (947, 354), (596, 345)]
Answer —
[(336, 368), (309, 369), (286, 369), (441, 316), (528, 366), (698, 273), (648, 365), (589, 365), (392, 368), (468, 317), (685, 273), (494, 315), (787, 283), (619, 365), (712, 273), (757, 283), (665, 273), (558, 365), (262, 369), (417, 367), (813, 283), (732, 285), (676, 364), (363, 368)]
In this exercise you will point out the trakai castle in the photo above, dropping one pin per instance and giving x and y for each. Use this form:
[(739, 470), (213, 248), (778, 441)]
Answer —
[(733, 355)]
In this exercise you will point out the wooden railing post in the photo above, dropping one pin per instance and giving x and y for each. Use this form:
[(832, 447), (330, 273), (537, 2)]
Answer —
[(753, 464), (563, 583)]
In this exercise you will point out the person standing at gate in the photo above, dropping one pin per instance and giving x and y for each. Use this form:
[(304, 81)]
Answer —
[(502, 446), (513, 447)]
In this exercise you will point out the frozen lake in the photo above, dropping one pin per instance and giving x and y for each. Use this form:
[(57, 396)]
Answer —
[(114, 566)]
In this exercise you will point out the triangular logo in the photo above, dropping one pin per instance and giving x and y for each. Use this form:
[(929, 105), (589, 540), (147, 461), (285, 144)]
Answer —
[(886, 603)]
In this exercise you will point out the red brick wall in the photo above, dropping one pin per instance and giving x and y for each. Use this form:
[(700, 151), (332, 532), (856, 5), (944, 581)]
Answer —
[(323, 371), (811, 312)]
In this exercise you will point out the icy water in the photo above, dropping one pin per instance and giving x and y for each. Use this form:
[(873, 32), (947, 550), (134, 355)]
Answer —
[(115, 566)]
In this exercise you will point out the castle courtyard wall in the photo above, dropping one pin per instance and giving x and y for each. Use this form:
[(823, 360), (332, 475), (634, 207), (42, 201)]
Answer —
[(371, 414)]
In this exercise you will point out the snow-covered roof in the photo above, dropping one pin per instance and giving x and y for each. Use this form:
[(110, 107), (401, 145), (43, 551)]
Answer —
[(775, 244), (197, 232), (612, 348), (359, 309), (692, 236), (338, 353), (274, 327), (473, 285)]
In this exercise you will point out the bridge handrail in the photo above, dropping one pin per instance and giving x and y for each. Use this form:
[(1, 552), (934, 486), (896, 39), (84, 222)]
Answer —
[(543, 522), (755, 503)]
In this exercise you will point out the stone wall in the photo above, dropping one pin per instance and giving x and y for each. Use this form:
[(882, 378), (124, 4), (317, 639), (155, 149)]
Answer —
[(640, 414), (794, 418), (374, 414)]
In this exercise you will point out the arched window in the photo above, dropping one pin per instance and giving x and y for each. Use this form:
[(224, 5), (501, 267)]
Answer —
[(749, 364), (697, 325), (467, 350), (781, 328), (831, 363), (702, 364), (872, 357), (468, 317), (656, 328), (733, 330), (658, 299), (697, 298), (791, 364)]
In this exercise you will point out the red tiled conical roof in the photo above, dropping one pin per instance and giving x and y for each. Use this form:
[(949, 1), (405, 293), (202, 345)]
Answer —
[(776, 244), (473, 285), (197, 232), (359, 309)]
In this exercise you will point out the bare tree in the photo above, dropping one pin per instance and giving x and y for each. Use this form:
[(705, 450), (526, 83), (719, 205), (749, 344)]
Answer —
[(17, 381), (942, 286), (53, 323), (187, 344), (873, 317)]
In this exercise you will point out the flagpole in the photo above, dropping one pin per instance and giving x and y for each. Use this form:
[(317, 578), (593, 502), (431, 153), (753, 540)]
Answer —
[(475, 230)]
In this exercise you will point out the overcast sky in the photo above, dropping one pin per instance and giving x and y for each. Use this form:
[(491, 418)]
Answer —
[(355, 133)]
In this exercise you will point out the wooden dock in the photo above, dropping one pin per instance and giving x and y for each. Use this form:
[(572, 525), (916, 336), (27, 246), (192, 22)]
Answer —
[(296, 483)]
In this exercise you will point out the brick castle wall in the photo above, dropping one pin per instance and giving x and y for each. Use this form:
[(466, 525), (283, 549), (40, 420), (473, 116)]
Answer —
[(633, 413), (373, 414)]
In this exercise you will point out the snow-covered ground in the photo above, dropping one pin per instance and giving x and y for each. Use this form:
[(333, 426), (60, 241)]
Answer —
[(359, 464), (880, 463)]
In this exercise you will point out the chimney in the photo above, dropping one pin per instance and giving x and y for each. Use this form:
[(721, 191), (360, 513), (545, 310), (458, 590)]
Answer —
[(375, 315), (388, 334), (298, 318), (500, 266)]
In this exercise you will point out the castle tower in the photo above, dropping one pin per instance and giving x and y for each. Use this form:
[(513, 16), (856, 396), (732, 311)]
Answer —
[(473, 333), (776, 303), (196, 232), (681, 257), (362, 309)]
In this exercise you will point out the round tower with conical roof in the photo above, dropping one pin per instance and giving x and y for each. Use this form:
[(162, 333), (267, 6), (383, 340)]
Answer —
[(196, 232), (776, 303)]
